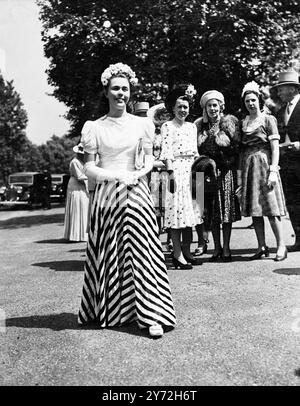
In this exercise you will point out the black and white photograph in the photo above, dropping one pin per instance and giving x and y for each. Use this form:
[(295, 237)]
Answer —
[(149, 196)]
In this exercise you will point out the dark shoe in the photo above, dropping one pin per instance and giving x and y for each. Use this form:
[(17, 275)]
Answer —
[(281, 257), (180, 265), (216, 257), (201, 249), (227, 258), (193, 261), (294, 248), (264, 251)]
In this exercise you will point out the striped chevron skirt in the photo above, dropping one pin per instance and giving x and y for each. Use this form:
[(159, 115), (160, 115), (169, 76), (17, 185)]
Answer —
[(125, 276)]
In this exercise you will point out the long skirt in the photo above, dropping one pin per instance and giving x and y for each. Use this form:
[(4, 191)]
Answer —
[(258, 199), (125, 277), (76, 212)]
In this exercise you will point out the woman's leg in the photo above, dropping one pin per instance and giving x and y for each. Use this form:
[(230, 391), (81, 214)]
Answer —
[(187, 237), (259, 227), (227, 227), (176, 237), (276, 226), (216, 233)]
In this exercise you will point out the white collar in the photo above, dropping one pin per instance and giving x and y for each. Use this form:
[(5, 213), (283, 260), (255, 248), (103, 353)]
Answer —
[(295, 100)]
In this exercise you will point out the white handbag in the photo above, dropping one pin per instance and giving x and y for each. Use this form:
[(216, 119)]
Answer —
[(139, 155)]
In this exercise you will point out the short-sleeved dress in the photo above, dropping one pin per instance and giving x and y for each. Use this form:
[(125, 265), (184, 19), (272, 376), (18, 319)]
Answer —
[(77, 204), (179, 144), (258, 199), (125, 276)]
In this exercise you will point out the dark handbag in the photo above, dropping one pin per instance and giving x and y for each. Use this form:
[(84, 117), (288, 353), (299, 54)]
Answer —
[(171, 182)]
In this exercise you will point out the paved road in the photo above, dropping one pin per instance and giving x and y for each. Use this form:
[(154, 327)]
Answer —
[(238, 323)]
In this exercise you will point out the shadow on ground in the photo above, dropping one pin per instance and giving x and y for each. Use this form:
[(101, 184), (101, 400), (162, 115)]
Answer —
[(28, 221), (288, 271), (62, 266), (57, 241), (68, 321)]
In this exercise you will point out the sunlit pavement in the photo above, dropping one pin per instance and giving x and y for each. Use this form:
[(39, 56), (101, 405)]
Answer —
[(238, 322)]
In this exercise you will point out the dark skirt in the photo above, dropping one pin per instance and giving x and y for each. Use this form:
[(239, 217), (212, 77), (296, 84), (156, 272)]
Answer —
[(258, 199), (222, 205), (125, 276)]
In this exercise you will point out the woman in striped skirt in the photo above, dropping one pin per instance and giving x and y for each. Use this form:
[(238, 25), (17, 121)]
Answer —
[(125, 275), (262, 193)]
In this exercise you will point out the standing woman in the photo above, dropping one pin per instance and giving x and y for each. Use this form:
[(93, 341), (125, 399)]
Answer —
[(125, 276), (77, 203), (262, 193), (179, 149), (218, 139)]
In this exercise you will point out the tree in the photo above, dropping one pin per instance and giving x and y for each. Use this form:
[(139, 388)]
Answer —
[(210, 43), (13, 121), (57, 154)]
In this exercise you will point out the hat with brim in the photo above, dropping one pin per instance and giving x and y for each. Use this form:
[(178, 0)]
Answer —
[(287, 78), (141, 107), (78, 149), (158, 113)]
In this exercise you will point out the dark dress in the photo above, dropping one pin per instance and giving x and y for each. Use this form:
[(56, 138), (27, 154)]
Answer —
[(221, 144)]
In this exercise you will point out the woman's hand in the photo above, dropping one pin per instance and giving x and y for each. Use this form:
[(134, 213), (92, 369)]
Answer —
[(272, 179), (129, 178)]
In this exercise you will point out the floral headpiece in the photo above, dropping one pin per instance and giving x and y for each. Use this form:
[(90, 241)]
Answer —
[(117, 69), (251, 87), (190, 91)]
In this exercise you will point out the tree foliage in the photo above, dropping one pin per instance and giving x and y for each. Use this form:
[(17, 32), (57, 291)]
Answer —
[(13, 121), (57, 154), (210, 43)]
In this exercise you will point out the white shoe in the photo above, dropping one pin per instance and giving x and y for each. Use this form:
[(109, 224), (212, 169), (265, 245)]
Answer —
[(156, 330)]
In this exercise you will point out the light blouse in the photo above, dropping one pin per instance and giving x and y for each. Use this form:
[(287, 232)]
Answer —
[(116, 139), (178, 141)]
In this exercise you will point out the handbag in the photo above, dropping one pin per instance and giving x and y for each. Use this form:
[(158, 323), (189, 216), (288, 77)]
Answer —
[(139, 155)]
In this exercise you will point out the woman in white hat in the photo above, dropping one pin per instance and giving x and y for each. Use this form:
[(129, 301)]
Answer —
[(77, 202), (219, 138)]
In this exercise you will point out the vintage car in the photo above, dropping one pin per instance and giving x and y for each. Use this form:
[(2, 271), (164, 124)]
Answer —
[(24, 188), (59, 185)]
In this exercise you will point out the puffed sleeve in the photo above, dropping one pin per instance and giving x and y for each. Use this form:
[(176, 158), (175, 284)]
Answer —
[(148, 138), (166, 144), (271, 128), (89, 137)]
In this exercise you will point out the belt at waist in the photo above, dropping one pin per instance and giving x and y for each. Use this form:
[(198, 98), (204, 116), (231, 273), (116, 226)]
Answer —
[(184, 156)]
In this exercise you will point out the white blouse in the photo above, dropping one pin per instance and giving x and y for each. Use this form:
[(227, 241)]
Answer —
[(116, 139)]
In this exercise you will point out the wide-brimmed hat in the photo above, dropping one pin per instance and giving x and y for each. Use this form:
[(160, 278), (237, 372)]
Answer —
[(78, 149), (141, 107), (158, 114), (287, 78)]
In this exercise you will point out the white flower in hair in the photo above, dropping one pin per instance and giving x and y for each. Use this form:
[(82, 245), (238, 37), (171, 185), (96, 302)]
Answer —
[(117, 69), (190, 91), (251, 87)]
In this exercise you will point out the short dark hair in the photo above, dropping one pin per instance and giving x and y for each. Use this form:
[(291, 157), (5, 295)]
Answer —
[(173, 95), (258, 95)]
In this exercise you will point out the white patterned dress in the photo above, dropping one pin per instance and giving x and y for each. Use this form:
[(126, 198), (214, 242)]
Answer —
[(125, 277), (179, 144)]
